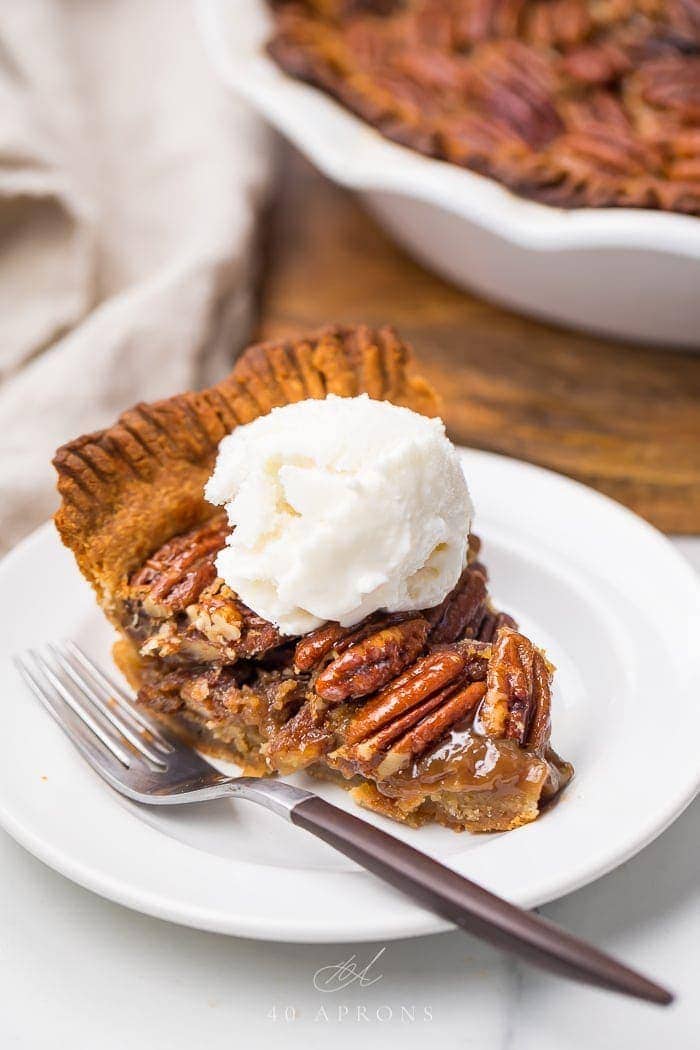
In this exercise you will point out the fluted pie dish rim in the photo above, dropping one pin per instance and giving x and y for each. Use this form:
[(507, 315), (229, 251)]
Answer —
[(356, 155), (628, 274)]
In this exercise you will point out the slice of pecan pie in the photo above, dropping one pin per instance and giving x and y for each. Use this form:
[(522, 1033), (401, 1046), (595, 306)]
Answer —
[(437, 715)]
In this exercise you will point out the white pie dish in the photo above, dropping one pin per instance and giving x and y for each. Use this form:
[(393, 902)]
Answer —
[(567, 562), (628, 273)]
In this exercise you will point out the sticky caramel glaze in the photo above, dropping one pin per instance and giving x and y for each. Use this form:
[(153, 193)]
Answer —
[(466, 761)]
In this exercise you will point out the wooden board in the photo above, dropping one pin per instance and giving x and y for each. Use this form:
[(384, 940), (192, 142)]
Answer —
[(621, 418)]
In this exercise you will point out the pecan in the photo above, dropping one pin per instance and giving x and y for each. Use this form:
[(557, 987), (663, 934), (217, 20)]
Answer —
[(409, 735), (426, 677), (491, 625), (257, 635), (216, 616), (477, 666), (314, 647), (462, 611), (302, 740), (163, 693), (165, 641), (180, 578), (206, 693), (429, 729), (175, 575), (540, 719), (372, 662), (597, 63), (331, 639), (517, 700), (673, 83)]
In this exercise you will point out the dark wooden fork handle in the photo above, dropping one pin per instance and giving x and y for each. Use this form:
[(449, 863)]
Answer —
[(468, 905)]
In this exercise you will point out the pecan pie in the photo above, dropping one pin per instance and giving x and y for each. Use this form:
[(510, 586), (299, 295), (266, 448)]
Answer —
[(573, 102), (437, 715)]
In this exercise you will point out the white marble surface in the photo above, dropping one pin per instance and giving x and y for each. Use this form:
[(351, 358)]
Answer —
[(79, 971)]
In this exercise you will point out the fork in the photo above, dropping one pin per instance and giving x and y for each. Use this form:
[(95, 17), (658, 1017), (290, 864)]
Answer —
[(140, 759)]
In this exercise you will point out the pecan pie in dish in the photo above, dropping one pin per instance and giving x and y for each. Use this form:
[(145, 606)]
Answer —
[(439, 714), (573, 102)]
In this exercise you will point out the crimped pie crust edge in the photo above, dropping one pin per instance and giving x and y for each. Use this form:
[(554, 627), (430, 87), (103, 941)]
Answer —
[(129, 488)]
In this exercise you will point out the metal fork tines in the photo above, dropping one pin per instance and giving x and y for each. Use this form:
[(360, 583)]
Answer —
[(63, 676), (129, 749), (123, 744)]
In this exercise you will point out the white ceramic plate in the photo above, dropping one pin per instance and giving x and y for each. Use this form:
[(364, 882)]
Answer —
[(614, 604), (624, 272)]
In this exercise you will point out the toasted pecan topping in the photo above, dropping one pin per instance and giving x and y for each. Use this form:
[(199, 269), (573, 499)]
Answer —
[(517, 701), (314, 647), (177, 602), (373, 661), (174, 577), (396, 743), (430, 728), (457, 732), (178, 607), (426, 677), (331, 639), (461, 613)]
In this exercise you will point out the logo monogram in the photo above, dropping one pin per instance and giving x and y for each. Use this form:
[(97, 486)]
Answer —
[(341, 975)]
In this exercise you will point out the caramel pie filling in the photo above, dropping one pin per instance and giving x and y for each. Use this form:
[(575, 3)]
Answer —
[(440, 715)]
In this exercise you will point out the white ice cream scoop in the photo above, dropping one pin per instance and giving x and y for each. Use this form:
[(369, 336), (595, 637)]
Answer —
[(340, 507)]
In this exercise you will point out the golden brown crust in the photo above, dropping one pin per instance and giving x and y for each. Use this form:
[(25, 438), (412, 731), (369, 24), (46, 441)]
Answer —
[(128, 489)]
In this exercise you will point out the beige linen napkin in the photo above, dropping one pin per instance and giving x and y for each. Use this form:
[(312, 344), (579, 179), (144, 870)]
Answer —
[(129, 186)]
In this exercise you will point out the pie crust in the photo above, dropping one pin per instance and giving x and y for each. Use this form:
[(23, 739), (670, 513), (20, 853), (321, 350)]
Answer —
[(128, 489)]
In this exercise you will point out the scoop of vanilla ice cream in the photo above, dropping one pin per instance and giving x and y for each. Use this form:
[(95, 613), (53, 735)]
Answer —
[(340, 507)]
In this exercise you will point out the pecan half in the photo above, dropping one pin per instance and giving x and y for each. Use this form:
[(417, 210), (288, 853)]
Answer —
[(391, 747), (331, 639), (429, 729), (372, 662), (426, 677), (492, 623), (314, 647), (517, 701), (175, 575), (302, 740), (461, 613)]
